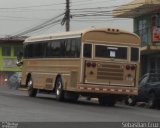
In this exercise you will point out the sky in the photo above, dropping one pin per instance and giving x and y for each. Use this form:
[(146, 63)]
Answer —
[(17, 16)]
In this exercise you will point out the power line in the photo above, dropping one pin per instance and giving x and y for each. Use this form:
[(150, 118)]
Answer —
[(42, 25), (47, 27), (100, 11), (88, 2), (30, 10), (100, 20), (34, 6), (80, 1), (21, 18), (103, 14), (93, 10), (38, 28), (110, 7)]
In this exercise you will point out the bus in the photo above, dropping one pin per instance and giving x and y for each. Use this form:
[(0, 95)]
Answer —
[(96, 63)]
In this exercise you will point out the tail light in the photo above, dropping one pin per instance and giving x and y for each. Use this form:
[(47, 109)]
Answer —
[(93, 65), (128, 67), (133, 67), (89, 64)]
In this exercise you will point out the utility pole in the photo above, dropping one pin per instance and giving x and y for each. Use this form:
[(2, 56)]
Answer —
[(67, 15)]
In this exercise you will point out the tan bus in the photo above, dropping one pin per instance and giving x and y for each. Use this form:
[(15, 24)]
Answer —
[(101, 63)]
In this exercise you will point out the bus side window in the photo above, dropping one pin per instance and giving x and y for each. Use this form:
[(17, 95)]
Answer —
[(87, 50)]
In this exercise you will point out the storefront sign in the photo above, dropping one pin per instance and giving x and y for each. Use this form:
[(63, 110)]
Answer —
[(156, 34), (9, 63)]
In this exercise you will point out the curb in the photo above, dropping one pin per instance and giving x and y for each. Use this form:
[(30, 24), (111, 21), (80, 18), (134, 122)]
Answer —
[(22, 89)]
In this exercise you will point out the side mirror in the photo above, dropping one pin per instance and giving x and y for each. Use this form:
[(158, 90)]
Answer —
[(19, 63), (20, 56), (20, 59)]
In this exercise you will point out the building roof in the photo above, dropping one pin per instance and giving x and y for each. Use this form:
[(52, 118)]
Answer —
[(137, 8), (12, 39)]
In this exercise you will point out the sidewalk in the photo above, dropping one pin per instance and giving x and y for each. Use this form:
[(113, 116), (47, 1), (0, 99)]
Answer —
[(22, 89), (7, 90)]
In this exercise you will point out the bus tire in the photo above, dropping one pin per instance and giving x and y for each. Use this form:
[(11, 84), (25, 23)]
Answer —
[(32, 92), (59, 90), (130, 101)]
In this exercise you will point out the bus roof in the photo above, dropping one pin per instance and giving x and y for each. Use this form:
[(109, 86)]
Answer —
[(54, 36), (74, 34)]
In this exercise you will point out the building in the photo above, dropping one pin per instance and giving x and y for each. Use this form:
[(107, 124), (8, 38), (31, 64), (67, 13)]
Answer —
[(146, 16), (9, 49)]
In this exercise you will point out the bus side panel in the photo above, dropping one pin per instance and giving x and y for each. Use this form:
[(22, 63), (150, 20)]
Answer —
[(44, 72), (24, 74), (73, 80)]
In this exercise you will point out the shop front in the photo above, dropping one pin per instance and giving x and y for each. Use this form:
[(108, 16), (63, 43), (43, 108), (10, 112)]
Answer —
[(146, 16)]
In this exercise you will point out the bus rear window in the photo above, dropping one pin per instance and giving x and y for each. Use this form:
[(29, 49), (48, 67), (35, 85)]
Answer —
[(111, 52), (87, 50), (134, 54)]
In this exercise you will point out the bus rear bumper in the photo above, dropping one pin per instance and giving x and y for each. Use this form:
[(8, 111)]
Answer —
[(119, 90)]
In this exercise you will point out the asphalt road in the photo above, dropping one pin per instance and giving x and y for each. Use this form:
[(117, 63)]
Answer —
[(15, 105)]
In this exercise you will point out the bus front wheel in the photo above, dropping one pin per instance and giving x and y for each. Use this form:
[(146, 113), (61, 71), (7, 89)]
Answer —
[(31, 91), (59, 90)]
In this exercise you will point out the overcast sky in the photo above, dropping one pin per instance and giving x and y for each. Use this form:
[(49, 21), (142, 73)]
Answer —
[(19, 15)]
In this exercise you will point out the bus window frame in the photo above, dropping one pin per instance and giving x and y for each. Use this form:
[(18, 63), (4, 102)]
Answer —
[(49, 43), (108, 44), (139, 56), (92, 52)]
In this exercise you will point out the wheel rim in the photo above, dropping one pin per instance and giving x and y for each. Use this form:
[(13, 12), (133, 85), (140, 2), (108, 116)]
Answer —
[(58, 91), (130, 101), (29, 85)]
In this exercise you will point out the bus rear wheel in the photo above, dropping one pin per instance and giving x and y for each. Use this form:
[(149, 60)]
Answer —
[(130, 101), (59, 90), (32, 92)]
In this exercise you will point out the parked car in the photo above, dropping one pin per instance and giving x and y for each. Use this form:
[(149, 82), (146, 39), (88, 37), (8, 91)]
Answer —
[(15, 80), (148, 91)]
